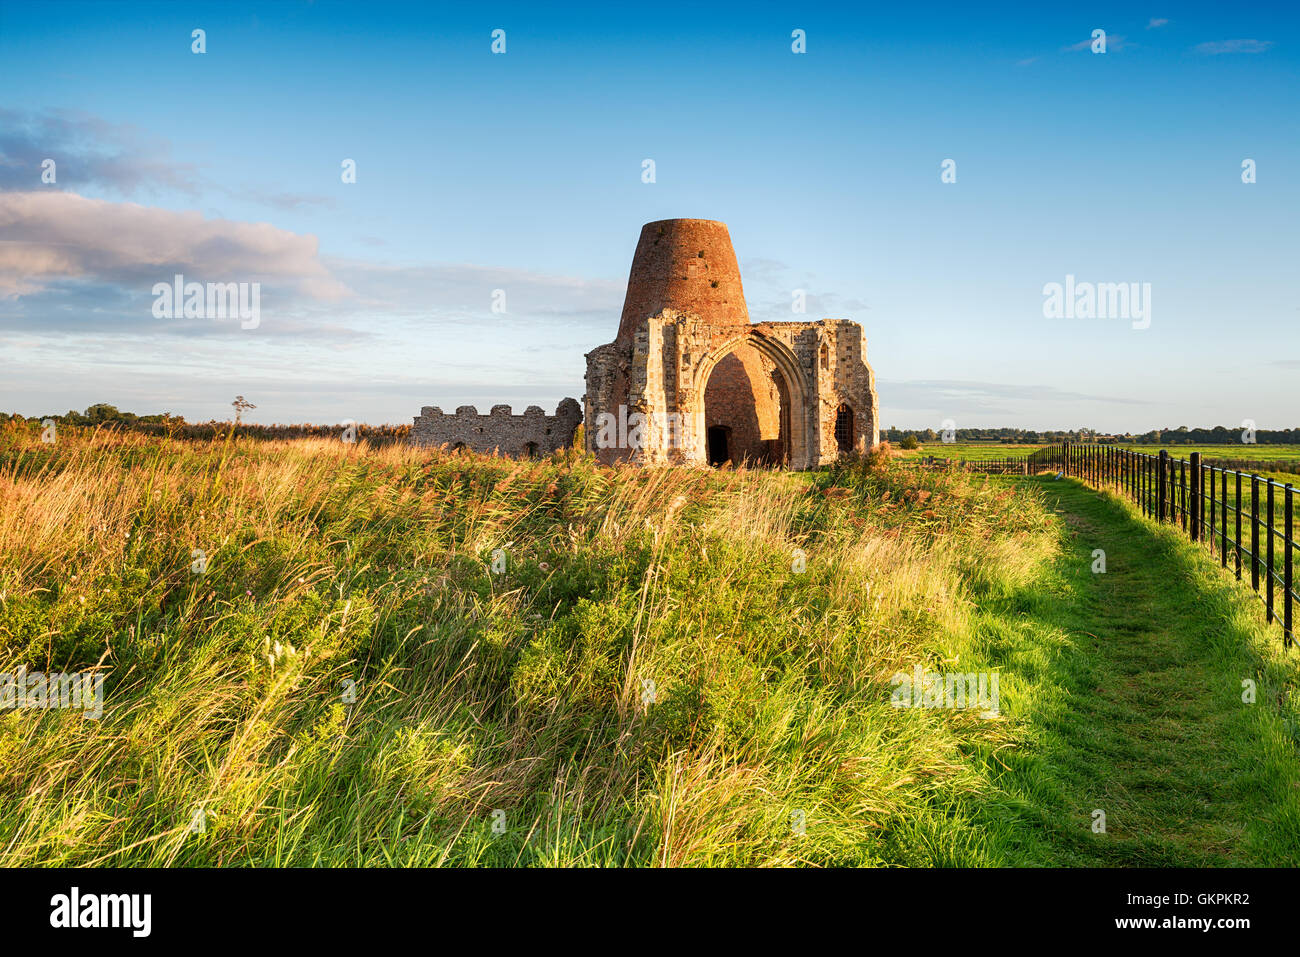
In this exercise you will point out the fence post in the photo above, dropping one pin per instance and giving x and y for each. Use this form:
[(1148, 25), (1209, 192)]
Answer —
[(1223, 521), (1195, 496), (1140, 479), (1254, 532), (1269, 571), (1182, 490), (1065, 456), (1143, 483), (1200, 499), (1212, 505), (1161, 482), (1287, 581), (1238, 526)]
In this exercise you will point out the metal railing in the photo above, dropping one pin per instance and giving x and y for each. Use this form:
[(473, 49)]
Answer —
[(1007, 465), (1209, 503)]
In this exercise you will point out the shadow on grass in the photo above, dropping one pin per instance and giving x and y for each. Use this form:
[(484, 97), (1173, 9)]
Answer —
[(1139, 748)]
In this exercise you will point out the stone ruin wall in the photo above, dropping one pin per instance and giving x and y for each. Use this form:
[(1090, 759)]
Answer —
[(661, 371), (499, 432), (687, 357)]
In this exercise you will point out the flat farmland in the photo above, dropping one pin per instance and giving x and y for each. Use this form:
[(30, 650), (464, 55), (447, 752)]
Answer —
[(1278, 462)]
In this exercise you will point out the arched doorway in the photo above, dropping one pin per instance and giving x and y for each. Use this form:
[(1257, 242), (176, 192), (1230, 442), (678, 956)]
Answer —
[(844, 428), (746, 408), (780, 369)]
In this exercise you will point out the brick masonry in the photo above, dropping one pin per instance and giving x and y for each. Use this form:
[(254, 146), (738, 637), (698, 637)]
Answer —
[(689, 379), (690, 362)]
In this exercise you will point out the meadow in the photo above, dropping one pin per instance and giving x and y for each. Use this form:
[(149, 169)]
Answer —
[(1242, 457), (326, 654)]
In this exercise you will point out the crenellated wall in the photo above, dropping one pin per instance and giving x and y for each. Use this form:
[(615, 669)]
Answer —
[(499, 432), (689, 379)]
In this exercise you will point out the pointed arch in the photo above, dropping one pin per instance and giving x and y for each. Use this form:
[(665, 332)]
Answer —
[(798, 441)]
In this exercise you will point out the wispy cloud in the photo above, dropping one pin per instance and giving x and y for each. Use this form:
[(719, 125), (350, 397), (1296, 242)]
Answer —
[(51, 236), (87, 151), (946, 392), (1115, 42), (770, 288), (92, 154), (1233, 46), (1156, 22)]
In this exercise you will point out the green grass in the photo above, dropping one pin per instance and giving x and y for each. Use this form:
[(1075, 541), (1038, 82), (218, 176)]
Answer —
[(1143, 716), (971, 451), (769, 610), (1246, 458)]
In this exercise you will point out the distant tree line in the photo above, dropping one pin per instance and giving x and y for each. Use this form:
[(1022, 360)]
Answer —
[(103, 415), (1218, 435)]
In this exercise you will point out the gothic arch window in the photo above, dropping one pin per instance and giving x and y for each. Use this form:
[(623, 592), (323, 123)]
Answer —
[(844, 428)]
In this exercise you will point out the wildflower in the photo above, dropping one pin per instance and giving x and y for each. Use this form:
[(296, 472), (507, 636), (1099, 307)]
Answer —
[(544, 567)]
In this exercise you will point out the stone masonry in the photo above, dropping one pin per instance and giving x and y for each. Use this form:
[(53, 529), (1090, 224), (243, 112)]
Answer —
[(689, 379), (530, 435)]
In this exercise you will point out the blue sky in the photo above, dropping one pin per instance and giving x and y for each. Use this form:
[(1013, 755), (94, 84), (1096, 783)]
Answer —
[(522, 172)]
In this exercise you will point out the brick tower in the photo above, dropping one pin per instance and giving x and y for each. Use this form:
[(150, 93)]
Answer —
[(690, 380)]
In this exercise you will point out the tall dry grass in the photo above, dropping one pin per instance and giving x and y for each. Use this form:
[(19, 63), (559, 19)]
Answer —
[(526, 692)]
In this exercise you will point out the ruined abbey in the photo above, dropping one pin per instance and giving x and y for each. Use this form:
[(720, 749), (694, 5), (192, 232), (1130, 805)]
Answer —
[(690, 380)]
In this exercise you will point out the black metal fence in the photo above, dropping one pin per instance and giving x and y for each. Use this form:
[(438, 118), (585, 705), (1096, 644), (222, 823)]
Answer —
[(1008, 465), (1210, 503)]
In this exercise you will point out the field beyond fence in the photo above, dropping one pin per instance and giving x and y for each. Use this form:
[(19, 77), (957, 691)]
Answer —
[(1211, 504)]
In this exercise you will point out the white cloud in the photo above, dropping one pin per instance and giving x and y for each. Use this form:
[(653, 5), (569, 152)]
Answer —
[(51, 236), (1113, 43), (1233, 46)]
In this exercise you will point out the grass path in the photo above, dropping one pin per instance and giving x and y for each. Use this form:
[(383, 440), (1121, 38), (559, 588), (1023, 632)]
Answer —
[(1135, 703)]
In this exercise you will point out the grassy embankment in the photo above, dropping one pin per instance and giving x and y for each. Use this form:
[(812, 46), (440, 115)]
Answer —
[(525, 692)]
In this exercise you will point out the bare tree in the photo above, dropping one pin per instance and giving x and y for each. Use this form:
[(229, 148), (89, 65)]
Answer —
[(241, 406)]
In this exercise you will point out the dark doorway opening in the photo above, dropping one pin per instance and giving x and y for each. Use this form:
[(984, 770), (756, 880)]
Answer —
[(844, 428), (530, 450), (718, 444)]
